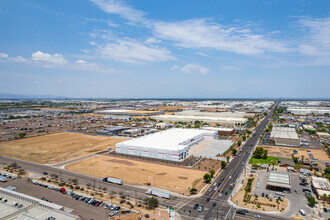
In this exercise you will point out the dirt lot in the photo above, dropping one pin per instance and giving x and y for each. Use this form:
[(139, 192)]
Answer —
[(287, 151), (55, 148), (138, 173)]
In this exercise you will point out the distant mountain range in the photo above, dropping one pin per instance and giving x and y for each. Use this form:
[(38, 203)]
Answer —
[(17, 96)]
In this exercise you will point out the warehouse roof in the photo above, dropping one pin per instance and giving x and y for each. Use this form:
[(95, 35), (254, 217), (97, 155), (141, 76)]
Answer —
[(321, 183), (171, 139), (202, 118), (279, 179), (284, 132)]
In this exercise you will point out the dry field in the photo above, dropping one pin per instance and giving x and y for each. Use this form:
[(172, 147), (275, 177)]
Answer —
[(54, 148), (287, 151), (134, 172)]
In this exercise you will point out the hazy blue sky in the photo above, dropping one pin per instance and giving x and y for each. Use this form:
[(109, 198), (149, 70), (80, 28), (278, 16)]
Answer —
[(165, 48)]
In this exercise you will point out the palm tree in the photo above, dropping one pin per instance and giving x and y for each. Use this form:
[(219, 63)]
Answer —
[(273, 163), (302, 158)]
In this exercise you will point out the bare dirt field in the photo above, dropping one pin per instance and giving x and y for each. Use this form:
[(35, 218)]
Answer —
[(134, 172), (54, 148), (287, 151)]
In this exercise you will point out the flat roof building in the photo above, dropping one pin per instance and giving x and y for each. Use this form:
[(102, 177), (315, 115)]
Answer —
[(279, 181), (21, 206), (320, 187), (285, 136), (172, 144)]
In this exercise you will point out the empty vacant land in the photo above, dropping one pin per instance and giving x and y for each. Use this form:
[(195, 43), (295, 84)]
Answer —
[(54, 148), (135, 172)]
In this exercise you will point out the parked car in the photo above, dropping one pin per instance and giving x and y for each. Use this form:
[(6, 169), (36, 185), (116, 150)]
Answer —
[(200, 208), (302, 212), (214, 204), (325, 210), (240, 212), (263, 194), (208, 199), (45, 173), (257, 216), (196, 206), (296, 191)]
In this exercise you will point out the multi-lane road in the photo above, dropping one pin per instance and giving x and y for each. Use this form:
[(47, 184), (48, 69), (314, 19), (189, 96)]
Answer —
[(227, 177), (183, 205)]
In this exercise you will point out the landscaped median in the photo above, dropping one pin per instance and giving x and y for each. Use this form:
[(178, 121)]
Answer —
[(245, 198)]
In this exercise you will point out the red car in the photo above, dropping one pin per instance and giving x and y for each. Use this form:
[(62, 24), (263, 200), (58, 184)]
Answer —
[(63, 191)]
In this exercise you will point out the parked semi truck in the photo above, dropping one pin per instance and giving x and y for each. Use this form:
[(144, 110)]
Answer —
[(159, 193), (113, 180)]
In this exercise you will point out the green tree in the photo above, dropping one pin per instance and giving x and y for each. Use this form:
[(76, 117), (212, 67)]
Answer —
[(212, 172), (264, 155), (327, 171), (223, 164), (227, 159), (75, 181), (233, 151), (273, 163), (207, 177), (311, 200), (21, 135), (193, 190), (258, 152), (239, 143), (302, 158), (244, 138), (151, 203)]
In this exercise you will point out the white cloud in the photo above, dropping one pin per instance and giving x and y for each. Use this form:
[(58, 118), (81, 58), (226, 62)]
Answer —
[(47, 59), (202, 54), (201, 33), (152, 40), (3, 55), (317, 39), (194, 69), (81, 62), (131, 51), (121, 9)]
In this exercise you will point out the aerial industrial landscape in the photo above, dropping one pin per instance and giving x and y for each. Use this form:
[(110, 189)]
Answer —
[(164, 110), (134, 159)]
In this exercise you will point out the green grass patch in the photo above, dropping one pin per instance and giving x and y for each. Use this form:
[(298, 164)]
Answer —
[(263, 161)]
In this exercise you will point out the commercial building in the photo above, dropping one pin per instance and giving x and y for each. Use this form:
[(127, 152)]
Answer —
[(285, 162), (320, 186), (116, 130), (221, 131), (128, 112), (15, 205), (285, 136), (118, 117), (172, 144), (208, 119), (279, 181)]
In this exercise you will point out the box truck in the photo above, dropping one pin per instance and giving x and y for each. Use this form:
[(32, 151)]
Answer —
[(113, 180), (159, 193)]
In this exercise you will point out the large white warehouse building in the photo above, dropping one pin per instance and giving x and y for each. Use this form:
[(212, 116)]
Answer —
[(172, 144)]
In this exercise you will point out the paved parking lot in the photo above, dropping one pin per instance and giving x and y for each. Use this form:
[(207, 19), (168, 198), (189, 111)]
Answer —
[(296, 201), (80, 208)]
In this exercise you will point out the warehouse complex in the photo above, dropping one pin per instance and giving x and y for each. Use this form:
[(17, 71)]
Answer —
[(172, 144), (127, 112), (285, 136)]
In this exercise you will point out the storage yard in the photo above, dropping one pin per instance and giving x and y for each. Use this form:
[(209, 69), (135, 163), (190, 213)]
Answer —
[(54, 148), (136, 172)]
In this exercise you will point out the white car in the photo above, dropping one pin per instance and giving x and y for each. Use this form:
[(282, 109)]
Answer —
[(258, 185), (302, 212), (3, 174), (230, 177), (215, 188), (210, 189), (281, 194), (277, 193), (8, 175), (271, 196), (13, 177), (220, 195), (215, 184)]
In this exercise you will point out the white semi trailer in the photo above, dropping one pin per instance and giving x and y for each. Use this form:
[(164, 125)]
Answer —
[(159, 193), (113, 180)]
